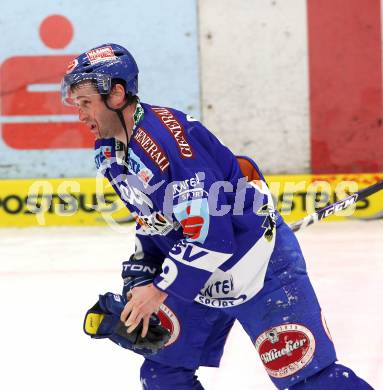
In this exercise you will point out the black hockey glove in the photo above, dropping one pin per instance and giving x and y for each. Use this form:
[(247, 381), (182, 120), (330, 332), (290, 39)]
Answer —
[(103, 321), (138, 273)]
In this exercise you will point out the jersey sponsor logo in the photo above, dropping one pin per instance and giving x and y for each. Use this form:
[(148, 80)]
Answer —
[(219, 293), (169, 321), (192, 226), (285, 349), (137, 167), (190, 194), (187, 252), (156, 223), (176, 130), (105, 53), (190, 254), (189, 188), (221, 302), (152, 149), (194, 218), (218, 288)]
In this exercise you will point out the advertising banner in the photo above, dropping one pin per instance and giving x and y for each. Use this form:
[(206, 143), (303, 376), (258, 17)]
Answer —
[(39, 137), (90, 201)]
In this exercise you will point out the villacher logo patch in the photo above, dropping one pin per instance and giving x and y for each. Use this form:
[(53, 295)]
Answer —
[(285, 349)]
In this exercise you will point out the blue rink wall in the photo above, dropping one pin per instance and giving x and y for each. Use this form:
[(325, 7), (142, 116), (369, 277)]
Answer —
[(161, 35)]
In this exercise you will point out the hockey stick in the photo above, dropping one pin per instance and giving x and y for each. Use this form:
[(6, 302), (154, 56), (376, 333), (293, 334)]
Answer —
[(336, 206)]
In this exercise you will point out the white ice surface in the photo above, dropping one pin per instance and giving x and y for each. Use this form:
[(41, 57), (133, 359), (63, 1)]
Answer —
[(49, 277)]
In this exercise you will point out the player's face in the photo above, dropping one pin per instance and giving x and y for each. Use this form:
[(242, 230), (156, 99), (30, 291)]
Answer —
[(102, 122)]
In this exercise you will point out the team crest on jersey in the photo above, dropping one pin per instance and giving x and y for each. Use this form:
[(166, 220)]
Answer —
[(169, 321), (285, 349)]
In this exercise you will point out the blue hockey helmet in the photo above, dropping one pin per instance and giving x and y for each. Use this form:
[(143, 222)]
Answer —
[(101, 65)]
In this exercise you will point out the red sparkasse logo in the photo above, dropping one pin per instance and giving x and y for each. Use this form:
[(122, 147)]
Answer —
[(176, 130), (100, 54), (285, 349)]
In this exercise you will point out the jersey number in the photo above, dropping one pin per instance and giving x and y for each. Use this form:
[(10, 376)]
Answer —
[(169, 274)]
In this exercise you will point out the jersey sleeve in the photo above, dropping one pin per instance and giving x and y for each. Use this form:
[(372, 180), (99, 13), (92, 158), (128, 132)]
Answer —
[(145, 247)]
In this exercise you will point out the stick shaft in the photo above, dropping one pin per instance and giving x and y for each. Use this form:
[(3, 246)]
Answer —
[(337, 206)]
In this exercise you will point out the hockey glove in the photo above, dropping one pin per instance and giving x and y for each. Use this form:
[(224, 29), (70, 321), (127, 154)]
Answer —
[(103, 321), (138, 273)]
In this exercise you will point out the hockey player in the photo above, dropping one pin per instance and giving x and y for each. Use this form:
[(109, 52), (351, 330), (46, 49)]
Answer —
[(210, 248)]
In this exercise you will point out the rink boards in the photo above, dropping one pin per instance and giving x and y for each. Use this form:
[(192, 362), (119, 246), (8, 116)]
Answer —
[(89, 201)]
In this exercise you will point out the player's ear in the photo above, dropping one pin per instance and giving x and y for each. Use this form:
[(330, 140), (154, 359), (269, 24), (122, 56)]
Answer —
[(116, 97)]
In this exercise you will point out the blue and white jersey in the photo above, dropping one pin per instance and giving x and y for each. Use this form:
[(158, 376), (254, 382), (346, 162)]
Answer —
[(211, 228)]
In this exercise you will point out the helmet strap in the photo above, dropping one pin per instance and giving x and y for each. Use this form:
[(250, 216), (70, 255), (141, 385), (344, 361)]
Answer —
[(120, 114)]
